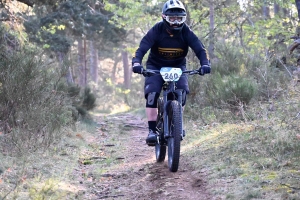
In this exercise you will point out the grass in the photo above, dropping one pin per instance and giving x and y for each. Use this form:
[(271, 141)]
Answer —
[(51, 174), (254, 160)]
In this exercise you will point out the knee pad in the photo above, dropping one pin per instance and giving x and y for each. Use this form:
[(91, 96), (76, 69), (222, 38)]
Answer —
[(152, 100)]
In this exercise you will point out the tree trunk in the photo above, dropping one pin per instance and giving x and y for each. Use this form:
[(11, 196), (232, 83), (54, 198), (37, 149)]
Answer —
[(298, 7), (114, 69), (266, 11), (93, 62), (84, 62), (126, 69), (211, 46), (60, 57), (276, 8), (81, 67)]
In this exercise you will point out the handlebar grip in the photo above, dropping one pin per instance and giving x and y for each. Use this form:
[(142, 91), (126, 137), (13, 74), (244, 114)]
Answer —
[(201, 72)]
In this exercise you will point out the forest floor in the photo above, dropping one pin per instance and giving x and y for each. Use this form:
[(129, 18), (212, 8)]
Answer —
[(108, 159), (135, 174)]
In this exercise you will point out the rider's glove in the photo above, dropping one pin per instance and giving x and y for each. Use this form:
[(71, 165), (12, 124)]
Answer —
[(137, 68), (204, 69), (297, 41)]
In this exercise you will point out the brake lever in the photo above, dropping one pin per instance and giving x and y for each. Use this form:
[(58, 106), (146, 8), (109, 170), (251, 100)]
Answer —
[(194, 72), (147, 73)]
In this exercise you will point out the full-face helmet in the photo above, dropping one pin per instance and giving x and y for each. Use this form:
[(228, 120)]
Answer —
[(174, 15)]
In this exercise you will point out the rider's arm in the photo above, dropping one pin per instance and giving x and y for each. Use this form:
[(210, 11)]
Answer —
[(197, 46), (146, 43)]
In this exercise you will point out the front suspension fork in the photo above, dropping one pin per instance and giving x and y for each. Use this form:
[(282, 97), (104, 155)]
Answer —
[(165, 114)]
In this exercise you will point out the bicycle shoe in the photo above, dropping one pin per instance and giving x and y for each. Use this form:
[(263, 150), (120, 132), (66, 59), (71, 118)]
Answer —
[(152, 138)]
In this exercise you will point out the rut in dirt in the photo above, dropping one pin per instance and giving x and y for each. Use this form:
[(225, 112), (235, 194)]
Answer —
[(139, 176)]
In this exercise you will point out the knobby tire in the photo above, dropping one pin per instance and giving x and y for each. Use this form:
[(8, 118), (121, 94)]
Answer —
[(160, 148), (175, 130)]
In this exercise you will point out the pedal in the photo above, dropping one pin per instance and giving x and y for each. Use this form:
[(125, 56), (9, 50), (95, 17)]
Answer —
[(151, 144)]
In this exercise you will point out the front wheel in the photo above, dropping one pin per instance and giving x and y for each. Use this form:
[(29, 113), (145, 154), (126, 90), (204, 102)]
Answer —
[(175, 130)]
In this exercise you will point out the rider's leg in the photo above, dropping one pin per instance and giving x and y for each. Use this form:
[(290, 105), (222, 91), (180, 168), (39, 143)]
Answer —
[(184, 95), (151, 113), (183, 84), (152, 89)]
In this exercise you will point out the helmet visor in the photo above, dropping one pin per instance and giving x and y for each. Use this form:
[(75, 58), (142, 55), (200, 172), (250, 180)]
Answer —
[(175, 19)]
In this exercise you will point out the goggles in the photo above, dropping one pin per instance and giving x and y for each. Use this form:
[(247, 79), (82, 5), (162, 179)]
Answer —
[(175, 19)]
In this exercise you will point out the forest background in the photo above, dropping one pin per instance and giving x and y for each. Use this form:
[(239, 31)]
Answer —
[(63, 60)]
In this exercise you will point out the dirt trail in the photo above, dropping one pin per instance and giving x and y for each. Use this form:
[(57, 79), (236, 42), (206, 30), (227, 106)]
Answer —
[(139, 176)]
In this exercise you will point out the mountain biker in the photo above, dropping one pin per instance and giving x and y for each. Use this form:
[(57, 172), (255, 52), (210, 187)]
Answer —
[(169, 41)]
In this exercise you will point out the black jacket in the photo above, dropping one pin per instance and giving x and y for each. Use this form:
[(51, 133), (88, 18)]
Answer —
[(169, 50)]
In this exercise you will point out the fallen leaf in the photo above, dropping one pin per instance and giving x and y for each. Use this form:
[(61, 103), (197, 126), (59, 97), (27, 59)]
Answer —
[(79, 136)]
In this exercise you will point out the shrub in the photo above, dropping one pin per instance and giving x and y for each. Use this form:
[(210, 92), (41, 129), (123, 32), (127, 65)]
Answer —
[(81, 102), (271, 81), (231, 60), (231, 90), (32, 109), (89, 99)]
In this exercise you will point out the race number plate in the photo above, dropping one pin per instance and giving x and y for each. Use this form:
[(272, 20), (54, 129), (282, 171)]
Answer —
[(170, 73)]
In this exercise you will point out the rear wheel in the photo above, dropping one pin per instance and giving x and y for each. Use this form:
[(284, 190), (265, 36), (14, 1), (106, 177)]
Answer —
[(175, 130), (160, 147)]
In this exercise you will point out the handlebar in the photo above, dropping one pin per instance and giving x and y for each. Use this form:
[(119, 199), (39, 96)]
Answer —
[(152, 72), (295, 37), (295, 44)]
